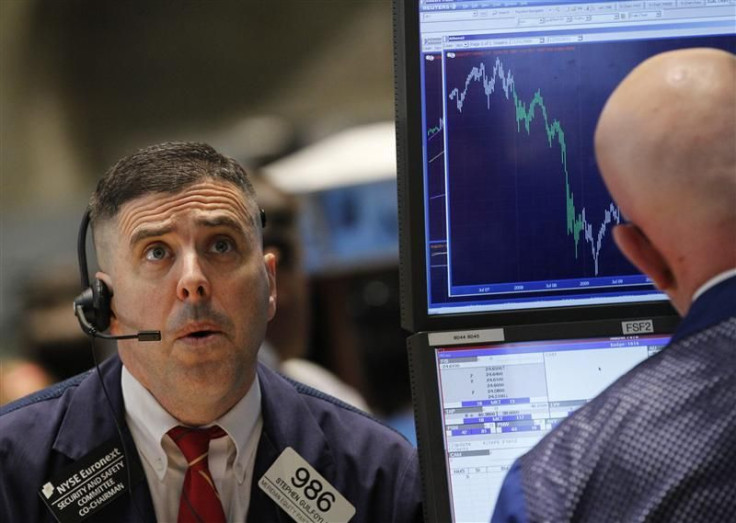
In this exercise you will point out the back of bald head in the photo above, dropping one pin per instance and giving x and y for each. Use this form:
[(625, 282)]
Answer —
[(666, 142)]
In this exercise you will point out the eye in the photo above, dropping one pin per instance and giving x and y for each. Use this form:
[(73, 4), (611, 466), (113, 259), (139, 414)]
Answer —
[(156, 253), (222, 246)]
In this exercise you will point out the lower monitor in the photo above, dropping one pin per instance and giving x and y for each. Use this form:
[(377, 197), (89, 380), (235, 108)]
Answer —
[(485, 397)]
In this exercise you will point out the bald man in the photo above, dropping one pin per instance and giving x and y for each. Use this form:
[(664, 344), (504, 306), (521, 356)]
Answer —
[(660, 443)]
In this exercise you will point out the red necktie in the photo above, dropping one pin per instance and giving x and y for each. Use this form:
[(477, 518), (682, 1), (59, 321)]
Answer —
[(200, 501)]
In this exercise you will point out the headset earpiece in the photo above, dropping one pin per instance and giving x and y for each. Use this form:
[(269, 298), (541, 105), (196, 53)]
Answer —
[(95, 299), (95, 304), (101, 304), (92, 307)]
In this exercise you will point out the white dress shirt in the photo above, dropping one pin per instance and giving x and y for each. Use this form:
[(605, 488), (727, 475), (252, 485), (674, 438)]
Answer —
[(231, 458), (715, 280)]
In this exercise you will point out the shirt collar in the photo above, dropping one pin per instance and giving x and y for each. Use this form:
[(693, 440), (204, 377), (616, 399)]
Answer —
[(240, 423), (715, 280), (149, 422), (714, 305)]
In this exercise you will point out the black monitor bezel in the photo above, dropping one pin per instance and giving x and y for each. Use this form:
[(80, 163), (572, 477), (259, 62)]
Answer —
[(415, 315), (426, 398)]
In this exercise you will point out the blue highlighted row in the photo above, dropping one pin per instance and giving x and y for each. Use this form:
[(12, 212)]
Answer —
[(490, 403), (470, 432), (506, 426), (530, 428), (504, 430), (539, 347), (494, 419)]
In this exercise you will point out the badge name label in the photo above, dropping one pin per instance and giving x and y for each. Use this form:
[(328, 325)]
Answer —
[(87, 485), (302, 491)]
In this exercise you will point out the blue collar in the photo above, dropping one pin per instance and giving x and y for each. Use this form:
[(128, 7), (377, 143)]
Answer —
[(714, 306)]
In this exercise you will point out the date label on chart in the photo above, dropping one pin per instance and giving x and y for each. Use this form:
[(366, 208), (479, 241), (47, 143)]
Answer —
[(302, 491)]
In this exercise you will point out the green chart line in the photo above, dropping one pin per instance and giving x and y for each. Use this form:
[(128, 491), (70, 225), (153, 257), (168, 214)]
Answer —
[(525, 114), (434, 130), (577, 224)]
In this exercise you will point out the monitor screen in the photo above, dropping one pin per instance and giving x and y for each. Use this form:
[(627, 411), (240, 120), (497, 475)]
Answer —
[(497, 171), (493, 401), (350, 227)]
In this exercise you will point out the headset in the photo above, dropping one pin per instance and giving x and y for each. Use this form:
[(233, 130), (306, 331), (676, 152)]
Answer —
[(92, 309), (92, 306)]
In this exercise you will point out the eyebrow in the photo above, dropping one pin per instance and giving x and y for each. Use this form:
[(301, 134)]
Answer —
[(218, 221), (142, 234)]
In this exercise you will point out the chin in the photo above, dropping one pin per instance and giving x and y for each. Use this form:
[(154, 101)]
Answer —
[(213, 374)]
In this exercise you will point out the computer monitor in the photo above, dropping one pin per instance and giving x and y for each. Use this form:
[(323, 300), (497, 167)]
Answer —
[(483, 397), (504, 217), (349, 228)]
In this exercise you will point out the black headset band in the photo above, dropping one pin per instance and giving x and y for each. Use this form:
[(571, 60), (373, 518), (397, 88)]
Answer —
[(82, 249)]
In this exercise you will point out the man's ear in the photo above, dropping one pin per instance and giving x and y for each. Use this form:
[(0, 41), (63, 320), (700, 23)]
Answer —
[(635, 245), (106, 278), (269, 261)]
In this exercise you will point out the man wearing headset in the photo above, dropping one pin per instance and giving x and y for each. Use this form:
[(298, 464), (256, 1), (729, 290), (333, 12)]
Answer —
[(204, 432)]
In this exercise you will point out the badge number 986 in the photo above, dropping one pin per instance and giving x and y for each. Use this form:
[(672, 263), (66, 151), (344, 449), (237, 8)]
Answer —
[(303, 493)]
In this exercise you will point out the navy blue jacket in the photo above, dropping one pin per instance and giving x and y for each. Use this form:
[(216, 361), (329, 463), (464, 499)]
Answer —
[(658, 445), (371, 465)]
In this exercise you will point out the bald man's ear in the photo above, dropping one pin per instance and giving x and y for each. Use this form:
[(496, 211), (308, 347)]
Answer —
[(269, 261), (634, 244)]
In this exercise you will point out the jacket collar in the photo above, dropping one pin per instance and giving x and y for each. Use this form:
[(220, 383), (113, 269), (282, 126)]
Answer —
[(714, 306), (286, 420), (88, 423)]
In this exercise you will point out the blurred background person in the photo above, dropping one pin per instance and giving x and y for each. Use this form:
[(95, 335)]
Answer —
[(287, 337), (344, 187), (51, 347), (20, 377)]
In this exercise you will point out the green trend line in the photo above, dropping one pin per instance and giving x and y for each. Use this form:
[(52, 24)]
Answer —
[(434, 130), (575, 221)]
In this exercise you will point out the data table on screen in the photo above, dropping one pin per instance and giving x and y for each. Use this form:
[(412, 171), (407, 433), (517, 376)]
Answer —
[(498, 401)]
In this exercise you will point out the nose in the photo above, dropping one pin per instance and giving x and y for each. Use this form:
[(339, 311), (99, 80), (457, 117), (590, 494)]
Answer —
[(193, 284)]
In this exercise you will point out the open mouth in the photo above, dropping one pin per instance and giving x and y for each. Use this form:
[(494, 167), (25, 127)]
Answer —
[(201, 334)]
